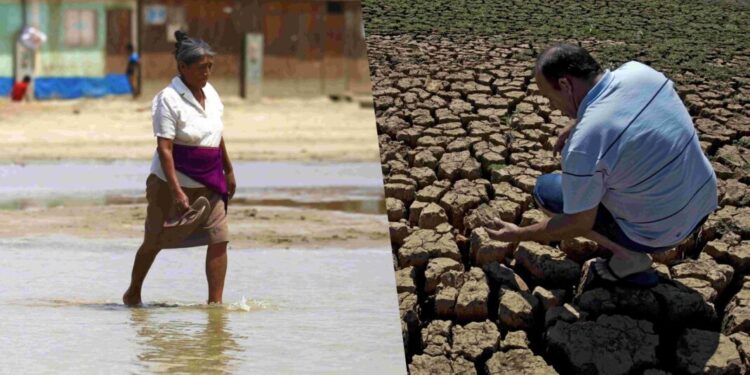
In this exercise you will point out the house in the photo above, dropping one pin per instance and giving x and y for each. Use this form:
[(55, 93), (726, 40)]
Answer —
[(309, 47)]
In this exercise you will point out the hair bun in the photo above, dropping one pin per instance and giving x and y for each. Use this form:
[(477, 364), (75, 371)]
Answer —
[(180, 35)]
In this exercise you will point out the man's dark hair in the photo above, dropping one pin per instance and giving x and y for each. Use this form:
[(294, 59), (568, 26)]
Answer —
[(27, 78), (129, 47), (566, 59)]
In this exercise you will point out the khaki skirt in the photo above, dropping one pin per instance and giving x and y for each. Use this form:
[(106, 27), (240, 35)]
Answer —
[(161, 206)]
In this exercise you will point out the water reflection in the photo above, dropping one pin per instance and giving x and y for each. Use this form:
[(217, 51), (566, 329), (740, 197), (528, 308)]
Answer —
[(186, 345)]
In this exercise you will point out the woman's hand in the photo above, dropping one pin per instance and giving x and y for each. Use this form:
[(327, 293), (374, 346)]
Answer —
[(181, 201), (231, 183), (505, 232)]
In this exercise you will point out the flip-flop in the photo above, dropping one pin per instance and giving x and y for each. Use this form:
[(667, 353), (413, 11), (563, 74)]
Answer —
[(193, 213), (177, 230), (591, 279), (645, 278), (636, 262)]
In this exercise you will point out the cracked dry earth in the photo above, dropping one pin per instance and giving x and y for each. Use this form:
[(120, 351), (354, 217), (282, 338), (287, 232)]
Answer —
[(463, 134)]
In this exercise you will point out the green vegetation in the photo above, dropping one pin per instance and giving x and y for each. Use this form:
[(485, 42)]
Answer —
[(11, 205), (699, 36)]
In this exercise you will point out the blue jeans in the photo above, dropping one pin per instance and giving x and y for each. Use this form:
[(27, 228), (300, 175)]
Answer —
[(548, 195)]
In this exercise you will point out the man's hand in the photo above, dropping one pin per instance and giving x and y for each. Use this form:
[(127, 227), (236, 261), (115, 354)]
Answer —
[(505, 232), (231, 184)]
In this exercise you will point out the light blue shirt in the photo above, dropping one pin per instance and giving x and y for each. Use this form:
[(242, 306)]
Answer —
[(636, 151)]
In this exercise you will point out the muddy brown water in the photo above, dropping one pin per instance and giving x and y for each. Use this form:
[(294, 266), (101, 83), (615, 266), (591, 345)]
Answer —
[(349, 187), (292, 311)]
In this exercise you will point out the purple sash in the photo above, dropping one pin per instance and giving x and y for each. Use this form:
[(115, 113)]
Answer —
[(204, 165)]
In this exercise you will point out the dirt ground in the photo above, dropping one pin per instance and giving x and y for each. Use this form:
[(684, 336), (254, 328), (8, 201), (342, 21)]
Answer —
[(464, 133), (120, 128), (250, 227)]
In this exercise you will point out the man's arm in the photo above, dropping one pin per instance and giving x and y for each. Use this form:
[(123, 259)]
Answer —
[(562, 137), (555, 228)]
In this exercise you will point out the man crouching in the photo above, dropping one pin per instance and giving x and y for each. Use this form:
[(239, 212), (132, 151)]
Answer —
[(634, 178)]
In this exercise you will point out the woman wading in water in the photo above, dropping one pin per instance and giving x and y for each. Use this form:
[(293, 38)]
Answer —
[(191, 177)]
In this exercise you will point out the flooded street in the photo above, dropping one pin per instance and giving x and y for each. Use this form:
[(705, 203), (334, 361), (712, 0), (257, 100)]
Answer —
[(97, 181), (311, 301), (286, 311)]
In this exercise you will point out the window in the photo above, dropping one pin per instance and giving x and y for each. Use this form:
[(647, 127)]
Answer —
[(79, 28), (335, 7)]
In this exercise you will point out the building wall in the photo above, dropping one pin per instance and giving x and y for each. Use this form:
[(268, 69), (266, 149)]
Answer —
[(310, 46), (207, 20), (10, 14), (59, 60), (65, 71), (308, 49)]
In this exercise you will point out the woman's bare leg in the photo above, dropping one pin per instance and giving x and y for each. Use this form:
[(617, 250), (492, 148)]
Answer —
[(144, 258), (216, 270)]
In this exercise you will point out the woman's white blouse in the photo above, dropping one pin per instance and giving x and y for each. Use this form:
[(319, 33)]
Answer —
[(177, 115)]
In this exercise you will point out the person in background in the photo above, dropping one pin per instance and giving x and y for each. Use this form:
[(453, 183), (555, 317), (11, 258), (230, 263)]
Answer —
[(20, 90), (134, 64)]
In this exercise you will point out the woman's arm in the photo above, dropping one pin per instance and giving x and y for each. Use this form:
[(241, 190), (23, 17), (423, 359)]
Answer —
[(228, 170), (164, 146), (226, 161)]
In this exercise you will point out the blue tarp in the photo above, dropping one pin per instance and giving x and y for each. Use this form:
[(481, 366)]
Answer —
[(6, 84), (76, 87), (118, 84)]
